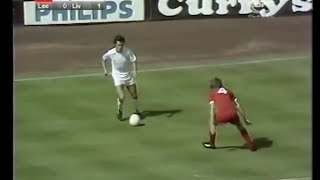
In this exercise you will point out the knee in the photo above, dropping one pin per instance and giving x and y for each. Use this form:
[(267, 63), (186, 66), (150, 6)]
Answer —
[(213, 130), (240, 127), (121, 98)]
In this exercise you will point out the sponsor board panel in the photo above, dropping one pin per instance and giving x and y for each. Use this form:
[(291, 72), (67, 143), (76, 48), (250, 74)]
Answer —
[(187, 9), (114, 11)]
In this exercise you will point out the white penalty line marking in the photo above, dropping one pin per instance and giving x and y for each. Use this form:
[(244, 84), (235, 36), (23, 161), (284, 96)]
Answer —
[(302, 178), (169, 68)]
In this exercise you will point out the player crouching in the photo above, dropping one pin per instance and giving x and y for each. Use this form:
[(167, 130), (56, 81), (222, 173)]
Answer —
[(224, 108)]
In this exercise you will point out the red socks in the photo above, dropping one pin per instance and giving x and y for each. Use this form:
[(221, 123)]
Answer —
[(248, 139)]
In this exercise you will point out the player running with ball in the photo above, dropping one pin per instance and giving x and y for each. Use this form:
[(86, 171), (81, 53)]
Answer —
[(124, 72), (224, 108)]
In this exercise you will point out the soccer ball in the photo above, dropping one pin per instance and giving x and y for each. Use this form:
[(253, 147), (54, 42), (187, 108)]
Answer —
[(134, 120)]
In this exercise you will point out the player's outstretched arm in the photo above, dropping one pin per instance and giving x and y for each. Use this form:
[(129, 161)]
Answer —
[(241, 112)]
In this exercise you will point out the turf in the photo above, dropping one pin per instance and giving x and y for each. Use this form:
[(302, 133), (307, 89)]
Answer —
[(66, 129)]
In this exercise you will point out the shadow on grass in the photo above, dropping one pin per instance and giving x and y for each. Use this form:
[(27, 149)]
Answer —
[(139, 125), (262, 142), (151, 113)]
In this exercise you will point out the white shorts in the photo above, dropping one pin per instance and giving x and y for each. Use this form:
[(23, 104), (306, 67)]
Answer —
[(127, 82)]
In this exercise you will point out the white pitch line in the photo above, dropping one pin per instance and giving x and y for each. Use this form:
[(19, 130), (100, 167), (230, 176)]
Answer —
[(302, 178), (169, 68)]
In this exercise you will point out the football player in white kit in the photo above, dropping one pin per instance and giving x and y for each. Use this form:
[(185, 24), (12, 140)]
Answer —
[(124, 72)]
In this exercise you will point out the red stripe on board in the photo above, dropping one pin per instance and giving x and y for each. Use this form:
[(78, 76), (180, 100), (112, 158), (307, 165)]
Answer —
[(44, 1)]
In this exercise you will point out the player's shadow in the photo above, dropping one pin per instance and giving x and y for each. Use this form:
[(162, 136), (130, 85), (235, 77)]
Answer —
[(262, 142), (139, 125), (151, 113)]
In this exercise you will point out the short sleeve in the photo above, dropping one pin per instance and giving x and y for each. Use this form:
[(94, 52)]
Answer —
[(132, 56), (106, 55)]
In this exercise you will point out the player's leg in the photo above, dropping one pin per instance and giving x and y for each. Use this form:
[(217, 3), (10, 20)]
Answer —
[(245, 134), (132, 88), (212, 135), (120, 100)]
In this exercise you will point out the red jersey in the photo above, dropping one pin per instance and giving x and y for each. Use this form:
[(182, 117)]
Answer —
[(223, 100)]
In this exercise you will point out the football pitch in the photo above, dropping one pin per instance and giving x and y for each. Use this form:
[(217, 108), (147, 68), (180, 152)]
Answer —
[(66, 128)]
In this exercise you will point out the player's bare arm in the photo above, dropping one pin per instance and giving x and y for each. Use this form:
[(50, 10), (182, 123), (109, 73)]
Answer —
[(104, 66), (241, 112), (135, 68)]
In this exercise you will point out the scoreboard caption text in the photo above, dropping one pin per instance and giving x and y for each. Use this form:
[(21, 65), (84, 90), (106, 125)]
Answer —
[(73, 5)]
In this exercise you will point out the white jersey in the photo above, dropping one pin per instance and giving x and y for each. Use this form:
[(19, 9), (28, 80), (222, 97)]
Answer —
[(121, 62)]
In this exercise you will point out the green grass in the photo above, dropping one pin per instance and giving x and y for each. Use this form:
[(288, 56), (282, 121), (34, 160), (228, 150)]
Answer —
[(66, 128)]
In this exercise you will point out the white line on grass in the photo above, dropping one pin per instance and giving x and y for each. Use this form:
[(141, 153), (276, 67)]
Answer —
[(302, 178), (169, 68)]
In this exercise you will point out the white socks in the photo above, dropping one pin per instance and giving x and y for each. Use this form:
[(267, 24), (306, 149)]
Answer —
[(120, 105)]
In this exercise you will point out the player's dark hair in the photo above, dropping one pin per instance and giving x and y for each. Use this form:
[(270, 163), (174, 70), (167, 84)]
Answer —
[(216, 83), (119, 38)]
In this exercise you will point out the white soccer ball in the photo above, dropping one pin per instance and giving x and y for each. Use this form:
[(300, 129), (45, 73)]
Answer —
[(134, 120)]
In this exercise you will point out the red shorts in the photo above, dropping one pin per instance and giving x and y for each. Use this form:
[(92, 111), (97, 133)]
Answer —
[(227, 117)]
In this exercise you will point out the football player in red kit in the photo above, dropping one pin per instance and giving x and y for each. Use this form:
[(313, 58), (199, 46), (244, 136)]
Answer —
[(224, 108)]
